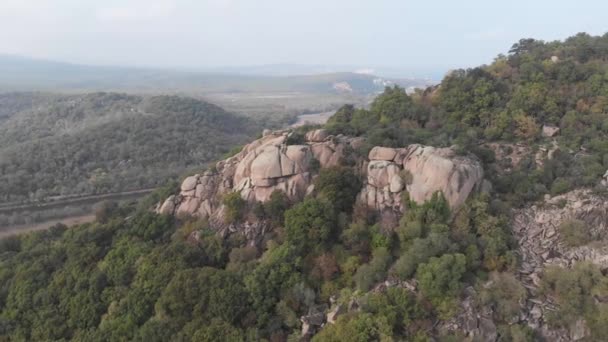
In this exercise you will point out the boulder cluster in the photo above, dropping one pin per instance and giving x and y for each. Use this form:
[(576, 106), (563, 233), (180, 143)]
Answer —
[(537, 229), (261, 167), (273, 163)]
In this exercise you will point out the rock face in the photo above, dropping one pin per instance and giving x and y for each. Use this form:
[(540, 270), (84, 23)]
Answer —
[(540, 245), (475, 323), (421, 171), (537, 230), (318, 135), (604, 180), (263, 166), (550, 131), (270, 164)]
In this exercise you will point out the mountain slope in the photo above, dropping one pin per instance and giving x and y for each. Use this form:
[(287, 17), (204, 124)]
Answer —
[(524, 258), (21, 73), (98, 143)]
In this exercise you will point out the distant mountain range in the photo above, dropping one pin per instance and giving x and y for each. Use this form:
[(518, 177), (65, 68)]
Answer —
[(22, 73)]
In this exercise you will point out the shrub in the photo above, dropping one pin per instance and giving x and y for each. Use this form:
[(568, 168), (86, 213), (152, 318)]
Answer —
[(325, 267), (525, 127), (407, 176), (339, 186), (374, 271), (276, 206), (396, 306), (235, 206), (574, 232), (517, 333), (314, 165), (243, 254), (360, 327), (439, 280), (420, 251), (277, 272), (357, 238), (560, 186), (295, 138), (394, 105), (575, 290), (218, 330), (233, 151), (309, 224), (105, 210), (504, 293)]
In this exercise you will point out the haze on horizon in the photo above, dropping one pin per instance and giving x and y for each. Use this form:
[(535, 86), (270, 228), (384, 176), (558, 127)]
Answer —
[(415, 37)]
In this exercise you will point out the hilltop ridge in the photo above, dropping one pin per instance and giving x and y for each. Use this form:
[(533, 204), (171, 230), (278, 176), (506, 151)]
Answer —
[(474, 210)]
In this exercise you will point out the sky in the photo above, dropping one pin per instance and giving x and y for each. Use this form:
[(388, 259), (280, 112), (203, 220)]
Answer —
[(419, 36)]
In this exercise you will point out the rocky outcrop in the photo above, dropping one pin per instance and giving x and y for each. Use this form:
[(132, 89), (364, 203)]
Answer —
[(475, 323), (540, 245), (421, 171), (604, 180), (317, 135), (313, 321), (263, 166), (269, 164), (537, 230), (550, 131)]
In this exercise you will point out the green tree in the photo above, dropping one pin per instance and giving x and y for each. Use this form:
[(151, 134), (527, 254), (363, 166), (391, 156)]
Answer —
[(394, 105), (235, 206), (439, 280), (276, 206), (204, 292), (277, 272), (310, 224), (218, 330), (361, 327), (339, 186), (504, 293), (375, 271)]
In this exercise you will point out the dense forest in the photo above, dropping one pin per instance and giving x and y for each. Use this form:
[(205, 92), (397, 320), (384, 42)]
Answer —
[(538, 84), (135, 275), (57, 145)]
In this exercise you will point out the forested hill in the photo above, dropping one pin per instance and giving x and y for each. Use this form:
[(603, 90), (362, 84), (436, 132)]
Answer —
[(491, 109), (106, 142), (523, 259)]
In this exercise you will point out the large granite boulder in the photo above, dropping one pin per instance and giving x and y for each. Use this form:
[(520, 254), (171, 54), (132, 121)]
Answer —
[(441, 169), (382, 153), (317, 135), (421, 171)]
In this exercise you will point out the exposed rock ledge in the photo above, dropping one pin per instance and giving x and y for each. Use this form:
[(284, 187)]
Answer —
[(540, 245), (421, 171), (270, 164), (263, 166)]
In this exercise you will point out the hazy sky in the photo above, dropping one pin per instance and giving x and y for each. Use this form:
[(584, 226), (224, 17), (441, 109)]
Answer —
[(413, 35)]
